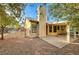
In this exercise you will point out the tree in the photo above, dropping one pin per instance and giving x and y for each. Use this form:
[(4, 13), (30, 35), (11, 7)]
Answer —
[(66, 11), (4, 22), (8, 15)]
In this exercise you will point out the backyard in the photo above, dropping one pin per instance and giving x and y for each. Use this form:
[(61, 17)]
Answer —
[(14, 43)]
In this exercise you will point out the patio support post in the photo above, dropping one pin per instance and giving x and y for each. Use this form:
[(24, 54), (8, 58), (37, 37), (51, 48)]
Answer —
[(74, 33), (68, 33)]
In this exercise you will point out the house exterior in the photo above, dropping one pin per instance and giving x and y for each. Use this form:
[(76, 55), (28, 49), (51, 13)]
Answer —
[(32, 27), (57, 28), (41, 28)]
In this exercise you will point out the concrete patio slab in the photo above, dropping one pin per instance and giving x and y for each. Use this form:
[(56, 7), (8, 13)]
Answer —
[(58, 41)]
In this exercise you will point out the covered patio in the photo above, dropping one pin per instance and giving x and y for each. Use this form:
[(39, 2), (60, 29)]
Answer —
[(62, 40)]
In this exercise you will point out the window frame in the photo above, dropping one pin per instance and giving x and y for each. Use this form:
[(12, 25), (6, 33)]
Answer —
[(50, 28)]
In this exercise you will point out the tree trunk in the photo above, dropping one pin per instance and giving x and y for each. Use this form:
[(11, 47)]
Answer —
[(2, 31)]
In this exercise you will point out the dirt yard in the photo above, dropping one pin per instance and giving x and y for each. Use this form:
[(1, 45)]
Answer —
[(15, 44)]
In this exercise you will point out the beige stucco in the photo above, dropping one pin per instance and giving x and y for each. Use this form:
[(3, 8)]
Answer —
[(42, 21), (27, 24), (27, 27)]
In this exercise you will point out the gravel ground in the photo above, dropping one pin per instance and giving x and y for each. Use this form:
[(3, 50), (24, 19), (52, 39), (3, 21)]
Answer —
[(15, 44)]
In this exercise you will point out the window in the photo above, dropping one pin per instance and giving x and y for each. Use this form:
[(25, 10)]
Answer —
[(54, 28), (58, 28), (50, 28), (34, 28)]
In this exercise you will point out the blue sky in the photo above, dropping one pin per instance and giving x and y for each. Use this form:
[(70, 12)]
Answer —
[(31, 11)]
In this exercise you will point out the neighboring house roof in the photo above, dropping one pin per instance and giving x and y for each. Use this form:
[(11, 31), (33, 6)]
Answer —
[(32, 20)]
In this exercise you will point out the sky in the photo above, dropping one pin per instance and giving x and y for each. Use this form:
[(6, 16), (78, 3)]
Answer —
[(31, 10)]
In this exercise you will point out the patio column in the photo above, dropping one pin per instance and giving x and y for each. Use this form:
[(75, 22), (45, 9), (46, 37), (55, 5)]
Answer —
[(68, 33), (74, 33)]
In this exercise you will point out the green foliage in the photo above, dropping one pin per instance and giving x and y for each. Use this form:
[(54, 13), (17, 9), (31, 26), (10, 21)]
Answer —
[(8, 15), (66, 11), (16, 8), (9, 12)]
